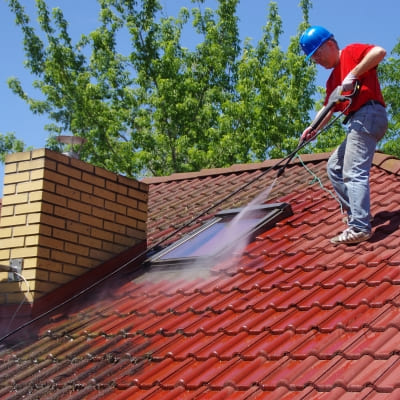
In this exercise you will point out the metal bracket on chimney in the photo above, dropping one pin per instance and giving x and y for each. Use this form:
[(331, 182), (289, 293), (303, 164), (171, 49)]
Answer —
[(15, 269)]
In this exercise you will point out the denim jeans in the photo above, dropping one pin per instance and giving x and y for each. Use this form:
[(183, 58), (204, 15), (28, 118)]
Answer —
[(349, 166)]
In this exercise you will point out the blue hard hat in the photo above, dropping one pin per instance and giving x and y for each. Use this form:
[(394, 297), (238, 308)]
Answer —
[(313, 38)]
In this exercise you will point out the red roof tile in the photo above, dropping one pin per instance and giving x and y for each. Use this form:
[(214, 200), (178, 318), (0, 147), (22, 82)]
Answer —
[(293, 317)]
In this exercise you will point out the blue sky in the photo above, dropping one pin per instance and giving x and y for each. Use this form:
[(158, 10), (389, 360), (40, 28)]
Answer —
[(365, 21)]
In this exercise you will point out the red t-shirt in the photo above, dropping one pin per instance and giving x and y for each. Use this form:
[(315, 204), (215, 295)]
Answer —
[(370, 89)]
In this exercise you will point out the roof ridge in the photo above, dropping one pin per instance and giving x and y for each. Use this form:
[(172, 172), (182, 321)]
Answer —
[(387, 162), (235, 168)]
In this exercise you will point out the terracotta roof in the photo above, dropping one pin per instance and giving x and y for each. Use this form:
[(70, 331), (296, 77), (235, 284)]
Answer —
[(292, 318)]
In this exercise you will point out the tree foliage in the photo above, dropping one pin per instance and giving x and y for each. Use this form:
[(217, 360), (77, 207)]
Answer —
[(158, 107)]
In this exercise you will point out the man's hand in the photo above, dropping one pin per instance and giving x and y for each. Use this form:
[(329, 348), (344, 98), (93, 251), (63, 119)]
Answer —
[(349, 82), (307, 134)]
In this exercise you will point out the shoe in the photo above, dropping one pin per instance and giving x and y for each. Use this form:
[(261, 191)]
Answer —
[(350, 236)]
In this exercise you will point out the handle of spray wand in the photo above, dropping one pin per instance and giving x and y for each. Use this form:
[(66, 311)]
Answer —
[(336, 96)]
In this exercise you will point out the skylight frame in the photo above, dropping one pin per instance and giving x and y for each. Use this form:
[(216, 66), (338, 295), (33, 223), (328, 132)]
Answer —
[(272, 213)]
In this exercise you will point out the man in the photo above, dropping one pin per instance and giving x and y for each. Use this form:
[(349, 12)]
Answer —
[(349, 166)]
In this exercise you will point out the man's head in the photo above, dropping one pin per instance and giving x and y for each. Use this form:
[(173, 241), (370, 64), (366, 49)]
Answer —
[(320, 45)]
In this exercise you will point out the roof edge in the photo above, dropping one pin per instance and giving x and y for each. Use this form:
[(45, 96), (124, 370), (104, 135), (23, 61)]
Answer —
[(235, 168), (387, 162)]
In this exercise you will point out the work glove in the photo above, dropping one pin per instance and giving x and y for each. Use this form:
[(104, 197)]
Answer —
[(307, 134), (349, 82)]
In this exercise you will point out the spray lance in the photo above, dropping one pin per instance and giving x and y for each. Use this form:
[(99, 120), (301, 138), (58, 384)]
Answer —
[(336, 97)]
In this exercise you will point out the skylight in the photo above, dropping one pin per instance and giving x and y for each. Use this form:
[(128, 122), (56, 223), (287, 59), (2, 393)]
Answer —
[(222, 234)]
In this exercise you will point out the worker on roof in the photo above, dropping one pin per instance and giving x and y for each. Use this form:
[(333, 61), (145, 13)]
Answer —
[(366, 122)]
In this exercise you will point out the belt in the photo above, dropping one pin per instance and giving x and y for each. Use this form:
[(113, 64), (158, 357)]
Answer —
[(368, 103)]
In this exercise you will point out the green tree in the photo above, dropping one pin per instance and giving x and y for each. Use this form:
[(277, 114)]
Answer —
[(10, 144), (389, 73), (162, 108)]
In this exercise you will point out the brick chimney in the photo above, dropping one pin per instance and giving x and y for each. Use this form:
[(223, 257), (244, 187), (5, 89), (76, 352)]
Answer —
[(61, 218)]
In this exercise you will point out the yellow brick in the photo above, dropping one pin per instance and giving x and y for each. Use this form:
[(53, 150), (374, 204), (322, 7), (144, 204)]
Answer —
[(12, 243), (5, 256), (17, 177), (10, 168), (7, 211), (28, 208), (33, 218), (5, 232), (17, 157), (36, 195), (30, 186), (37, 153), (37, 174), (24, 252), (13, 221), (34, 229), (15, 199), (31, 164), (9, 189), (32, 240)]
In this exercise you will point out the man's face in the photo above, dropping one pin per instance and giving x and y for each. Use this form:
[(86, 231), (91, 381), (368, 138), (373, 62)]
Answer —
[(327, 55)]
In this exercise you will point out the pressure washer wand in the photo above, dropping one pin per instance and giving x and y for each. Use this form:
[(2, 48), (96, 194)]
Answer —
[(336, 97)]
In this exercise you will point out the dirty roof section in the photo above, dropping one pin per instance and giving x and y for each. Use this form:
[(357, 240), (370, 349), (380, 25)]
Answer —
[(292, 317)]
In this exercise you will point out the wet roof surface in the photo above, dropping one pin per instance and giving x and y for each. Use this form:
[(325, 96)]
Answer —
[(292, 317)]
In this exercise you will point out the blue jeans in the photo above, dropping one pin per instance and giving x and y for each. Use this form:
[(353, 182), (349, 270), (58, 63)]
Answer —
[(349, 166)]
